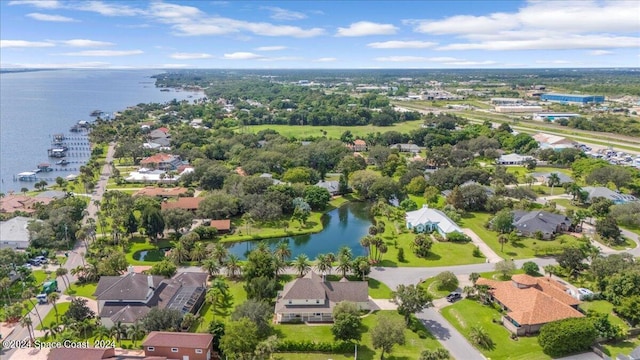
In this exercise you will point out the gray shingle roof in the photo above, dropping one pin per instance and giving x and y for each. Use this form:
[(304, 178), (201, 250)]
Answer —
[(532, 221), (132, 286)]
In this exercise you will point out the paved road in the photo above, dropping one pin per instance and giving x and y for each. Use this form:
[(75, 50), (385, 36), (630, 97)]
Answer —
[(75, 258), (448, 336)]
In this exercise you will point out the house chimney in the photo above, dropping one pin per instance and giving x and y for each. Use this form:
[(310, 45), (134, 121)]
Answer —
[(150, 282), (324, 277), (130, 269)]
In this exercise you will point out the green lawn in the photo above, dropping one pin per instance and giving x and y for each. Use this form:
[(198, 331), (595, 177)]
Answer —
[(626, 244), (51, 316), (41, 276), (567, 204), (622, 347), (334, 132), (466, 313), (223, 309), (138, 244), (526, 248), (431, 285), (604, 307), (497, 275), (410, 350), (85, 290), (378, 290), (441, 254)]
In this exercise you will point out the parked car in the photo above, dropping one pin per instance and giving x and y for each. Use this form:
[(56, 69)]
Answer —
[(42, 259), (454, 296), (35, 262)]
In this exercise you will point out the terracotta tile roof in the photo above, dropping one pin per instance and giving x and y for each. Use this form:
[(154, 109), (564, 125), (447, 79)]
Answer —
[(163, 129), (537, 301), (185, 340), (187, 203), (13, 203), (221, 225), (240, 171), (359, 142), (157, 158), (164, 192), (84, 354)]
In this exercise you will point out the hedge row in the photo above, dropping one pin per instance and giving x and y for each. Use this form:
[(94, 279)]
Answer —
[(312, 346)]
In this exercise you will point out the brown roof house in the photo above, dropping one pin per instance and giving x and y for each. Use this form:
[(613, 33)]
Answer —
[(66, 353), (128, 298), (311, 298), (223, 226), (179, 345), (162, 161), (27, 204), (358, 145), (186, 203), (531, 302), (161, 192)]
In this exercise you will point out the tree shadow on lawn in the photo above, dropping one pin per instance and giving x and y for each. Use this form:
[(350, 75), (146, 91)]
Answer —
[(436, 329), (387, 263)]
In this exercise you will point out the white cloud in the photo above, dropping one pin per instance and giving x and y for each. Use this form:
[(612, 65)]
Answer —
[(174, 66), (326, 59), (443, 60), (42, 4), (396, 44), (281, 58), (600, 52), (133, 26), (190, 56), (48, 17), (171, 13), (107, 9), (242, 56), (104, 53), (24, 44), (270, 48), (86, 43), (542, 25), (365, 28), (284, 14)]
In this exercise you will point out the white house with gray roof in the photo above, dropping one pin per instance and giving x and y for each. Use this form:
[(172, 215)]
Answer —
[(600, 191), (311, 298), (14, 233), (513, 159), (428, 220)]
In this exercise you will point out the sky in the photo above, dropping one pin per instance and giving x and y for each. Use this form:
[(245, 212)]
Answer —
[(319, 34)]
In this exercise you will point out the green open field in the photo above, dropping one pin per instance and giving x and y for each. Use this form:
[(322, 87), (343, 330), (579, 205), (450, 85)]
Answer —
[(604, 307), (84, 290), (466, 313), (622, 347), (51, 316), (334, 132)]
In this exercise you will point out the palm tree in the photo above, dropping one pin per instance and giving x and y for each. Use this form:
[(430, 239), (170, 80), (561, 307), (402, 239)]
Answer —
[(233, 265), (481, 337), (26, 322), (136, 331), (344, 264), (365, 242), (321, 264), (553, 181), (198, 252), (331, 258), (383, 250), (468, 290), (302, 265), (549, 269), (102, 332), (53, 298), (502, 239), (118, 330), (473, 277), (283, 251), (5, 284), (211, 266), (345, 251), (529, 180), (219, 252), (180, 252), (280, 266), (27, 294), (61, 272)]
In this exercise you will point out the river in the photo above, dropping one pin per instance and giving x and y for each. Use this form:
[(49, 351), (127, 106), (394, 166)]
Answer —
[(344, 226), (35, 105)]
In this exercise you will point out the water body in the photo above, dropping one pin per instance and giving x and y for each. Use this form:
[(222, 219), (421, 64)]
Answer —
[(36, 105), (343, 226)]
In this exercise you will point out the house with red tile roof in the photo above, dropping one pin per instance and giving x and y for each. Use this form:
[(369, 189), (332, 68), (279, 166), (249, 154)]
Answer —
[(358, 145), (186, 203), (162, 161), (531, 302), (161, 192), (23, 203), (222, 226)]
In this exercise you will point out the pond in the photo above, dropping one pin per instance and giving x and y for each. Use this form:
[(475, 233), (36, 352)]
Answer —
[(149, 255), (344, 226)]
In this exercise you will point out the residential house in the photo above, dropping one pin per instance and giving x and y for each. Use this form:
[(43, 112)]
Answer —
[(311, 298), (555, 142), (128, 298), (513, 159), (332, 186), (23, 203), (616, 197), (412, 148), (530, 223), (487, 189), (14, 233), (270, 176), (162, 161), (144, 175), (358, 145), (428, 220), (161, 192), (531, 302), (186, 203), (223, 226), (543, 177), (179, 345)]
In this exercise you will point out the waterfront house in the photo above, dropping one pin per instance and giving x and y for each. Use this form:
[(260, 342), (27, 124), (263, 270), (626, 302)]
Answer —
[(162, 161), (333, 187), (178, 345), (27, 204), (128, 298), (223, 226), (531, 302), (531, 223), (312, 298), (426, 219)]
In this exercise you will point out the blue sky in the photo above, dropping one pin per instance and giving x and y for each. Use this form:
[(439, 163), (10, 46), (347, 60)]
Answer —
[(319, 34)]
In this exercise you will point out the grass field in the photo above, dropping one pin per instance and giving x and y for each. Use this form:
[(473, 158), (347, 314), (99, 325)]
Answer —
[(626, 244), (334, 132), (84, 290), (622, 347), (378, 290), (223, 309), (466, 313), (51, 316), (432, 286), (604, 307), (526, 248), (410, 350), (139, 244)]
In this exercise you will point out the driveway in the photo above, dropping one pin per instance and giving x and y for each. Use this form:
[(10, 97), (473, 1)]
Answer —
[(484, 248), (449, 337)]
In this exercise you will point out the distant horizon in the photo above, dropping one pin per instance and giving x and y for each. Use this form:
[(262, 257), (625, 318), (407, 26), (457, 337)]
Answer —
[(437, 34), (323, 69)]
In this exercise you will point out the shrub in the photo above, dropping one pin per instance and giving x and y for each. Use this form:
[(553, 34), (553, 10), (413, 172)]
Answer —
[(447, 281), (567, 336), (477, 252), (401, 255), (531, 268), (458, 237), (312, 346)]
